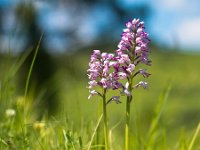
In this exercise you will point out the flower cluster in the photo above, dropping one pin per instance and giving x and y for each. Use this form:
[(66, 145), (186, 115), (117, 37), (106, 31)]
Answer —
[(132, 50), (107, 70), (100, 73), (134, 42)]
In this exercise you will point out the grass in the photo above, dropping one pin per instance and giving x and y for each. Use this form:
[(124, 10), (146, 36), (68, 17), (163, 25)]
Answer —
[(168, 121)]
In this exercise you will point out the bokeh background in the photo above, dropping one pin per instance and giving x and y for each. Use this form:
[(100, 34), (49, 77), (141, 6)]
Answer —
[(73, 28)]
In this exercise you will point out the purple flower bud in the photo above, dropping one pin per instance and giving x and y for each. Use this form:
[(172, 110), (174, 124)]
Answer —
[(124, 59), (135, 21), (113, 64), (96, 52), (104, 56), (122, 75), (126, 92), (92, 93), (130, 68), (92, 84), (114, 99), (144, 73), (138, 50), (117, 85), (139, 31), (128, 24), (141, 84), (111, 56)]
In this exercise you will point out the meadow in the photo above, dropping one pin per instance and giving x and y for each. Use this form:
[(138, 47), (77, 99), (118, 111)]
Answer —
[(165, 116)]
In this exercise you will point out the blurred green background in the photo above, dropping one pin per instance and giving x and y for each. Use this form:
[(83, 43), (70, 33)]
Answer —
[(71, 30)]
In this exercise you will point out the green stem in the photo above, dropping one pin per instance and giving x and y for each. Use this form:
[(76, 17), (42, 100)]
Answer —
[(128, 110), (127, 129), (105, 121), (98, 131), (129, 99)]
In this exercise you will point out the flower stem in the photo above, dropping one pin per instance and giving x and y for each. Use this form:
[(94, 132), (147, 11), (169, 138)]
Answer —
[(128, 110), (127, 129), (105, 121)]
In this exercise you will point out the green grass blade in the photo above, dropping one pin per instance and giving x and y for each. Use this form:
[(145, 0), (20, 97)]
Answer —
[(31, 68), (95, 130), (80, 143), (38, 140), (194, 137), (182, 141), (158, 111), (5, 84), (18, 63), (65, 138), (111, 130), (28, 80)]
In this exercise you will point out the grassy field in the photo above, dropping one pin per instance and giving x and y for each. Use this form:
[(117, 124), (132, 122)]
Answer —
[(165, 116)]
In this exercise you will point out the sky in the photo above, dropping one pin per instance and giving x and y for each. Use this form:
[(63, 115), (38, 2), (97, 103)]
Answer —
[(177, 23), (172, 23)]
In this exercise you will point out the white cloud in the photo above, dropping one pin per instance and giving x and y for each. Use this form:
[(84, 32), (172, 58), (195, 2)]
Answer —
[(174, 4), (188, 33)]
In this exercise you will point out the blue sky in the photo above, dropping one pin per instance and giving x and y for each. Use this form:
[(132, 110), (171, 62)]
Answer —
[(177, 22), (172, 23)]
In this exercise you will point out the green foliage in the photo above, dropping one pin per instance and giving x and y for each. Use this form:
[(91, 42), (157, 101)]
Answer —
[(158, 110), (167, 123)]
